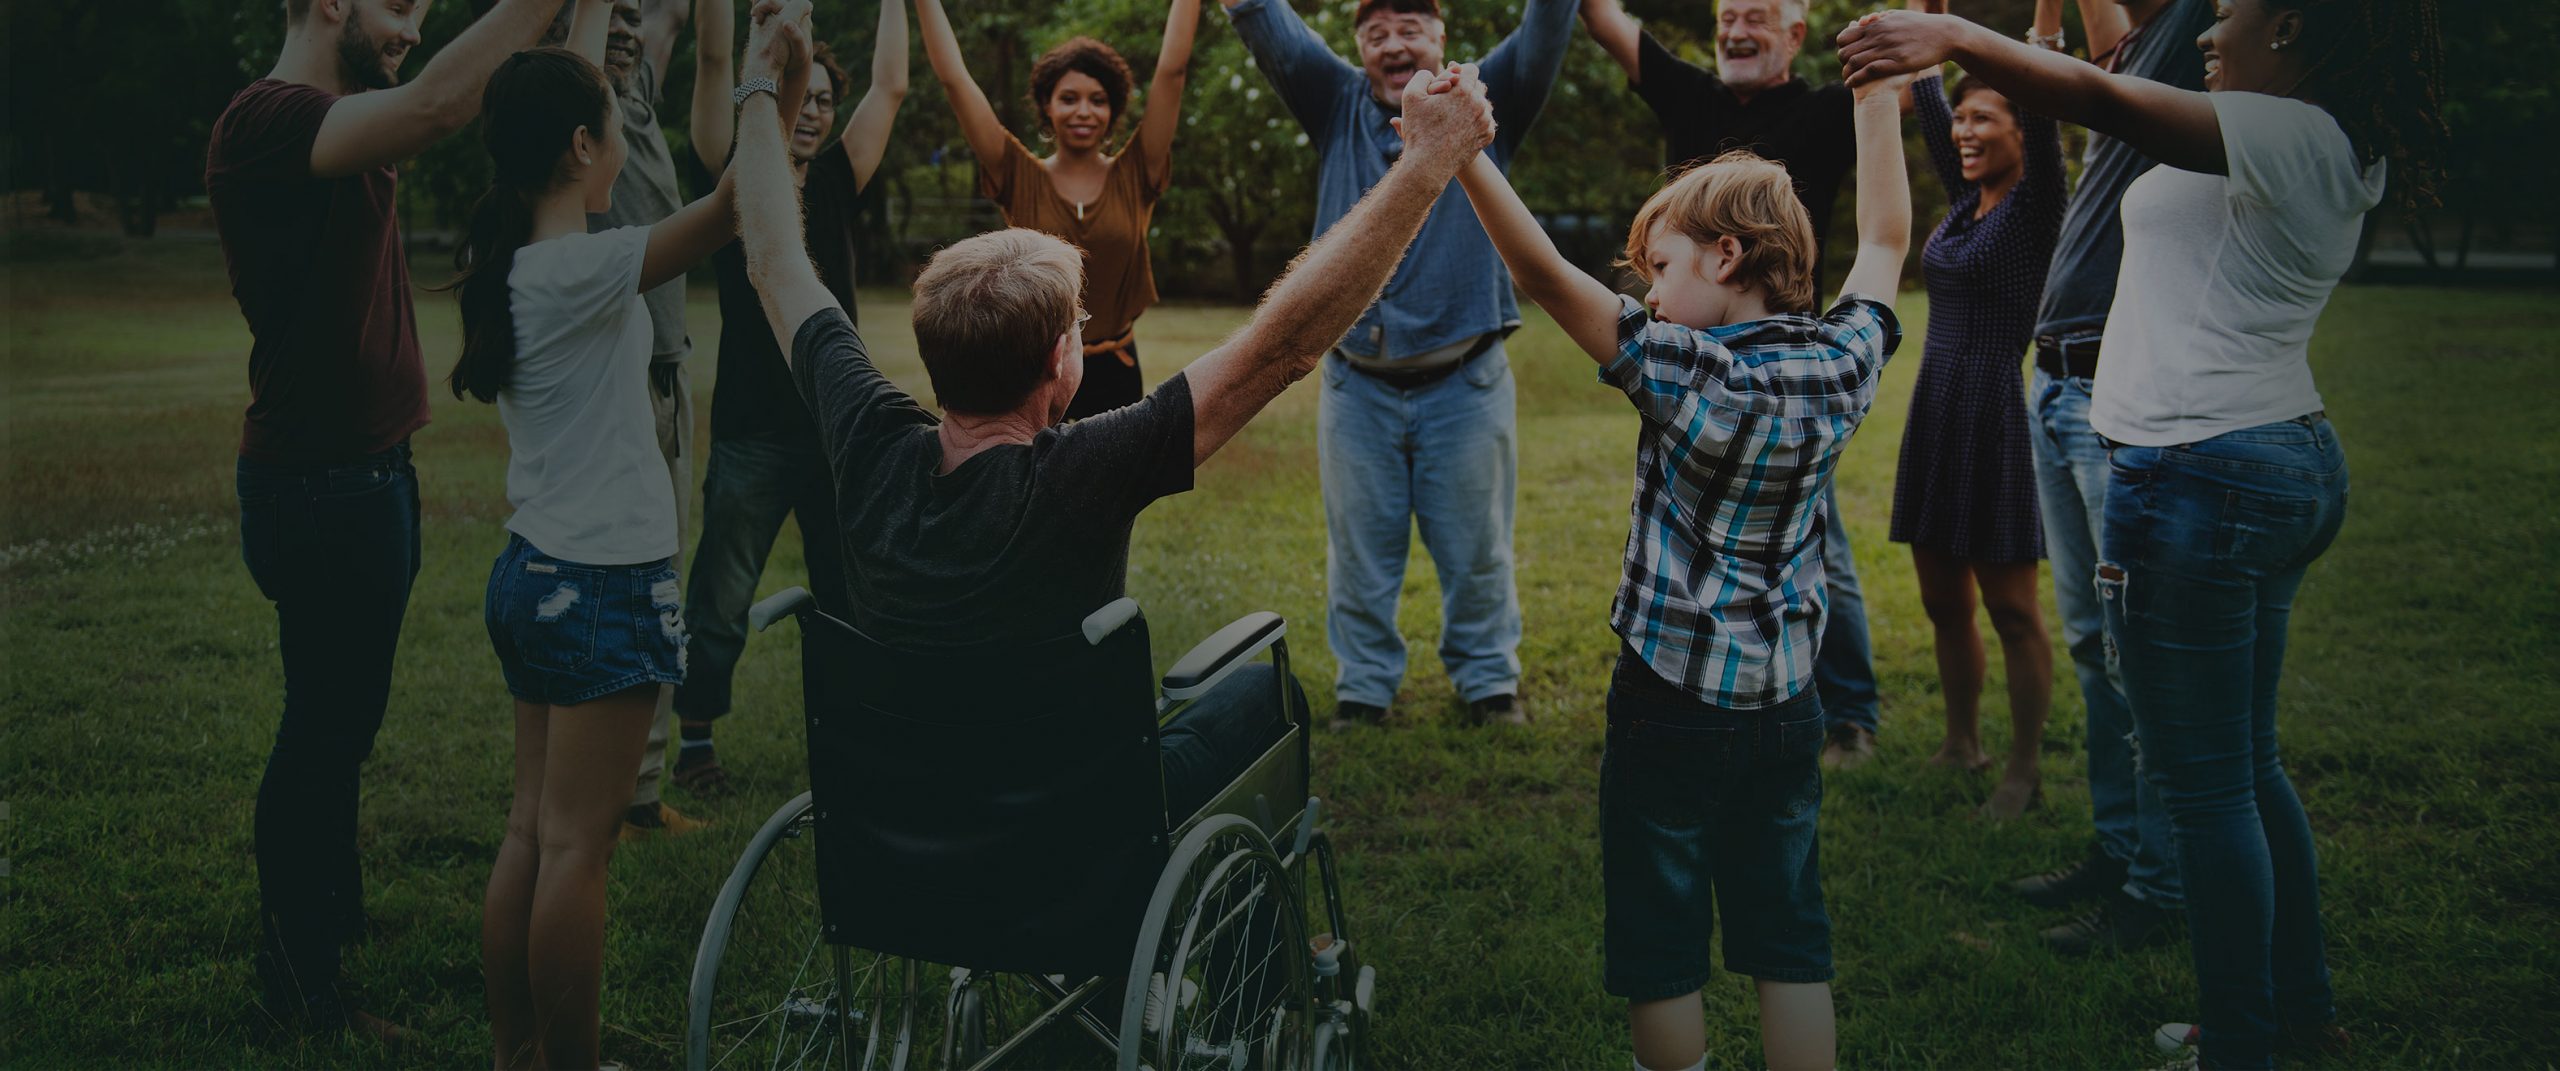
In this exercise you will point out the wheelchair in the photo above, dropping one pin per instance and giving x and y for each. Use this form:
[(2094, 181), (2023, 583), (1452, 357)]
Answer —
[(984, 853)]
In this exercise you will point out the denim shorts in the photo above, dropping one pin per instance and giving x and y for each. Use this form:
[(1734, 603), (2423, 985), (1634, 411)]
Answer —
[(567, 632), (1704, 807)]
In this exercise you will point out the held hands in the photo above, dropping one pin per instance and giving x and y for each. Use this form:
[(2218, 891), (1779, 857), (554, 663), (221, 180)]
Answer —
[(1447, 118), (1898, 44), (778, 44)]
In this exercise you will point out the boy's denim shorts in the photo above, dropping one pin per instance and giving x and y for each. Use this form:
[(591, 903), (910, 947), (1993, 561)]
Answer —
[(567, 632), (1701, 807)]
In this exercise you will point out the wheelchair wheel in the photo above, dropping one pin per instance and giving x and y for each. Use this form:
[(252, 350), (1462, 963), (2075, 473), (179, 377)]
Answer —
[(1220, 978), (769, 992), (983, 1010)]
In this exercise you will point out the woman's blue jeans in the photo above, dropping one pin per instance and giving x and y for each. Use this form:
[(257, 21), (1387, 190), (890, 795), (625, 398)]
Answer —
[(2205, 546)]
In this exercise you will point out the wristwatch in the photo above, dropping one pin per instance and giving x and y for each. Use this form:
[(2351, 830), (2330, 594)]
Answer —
[(751, 87)]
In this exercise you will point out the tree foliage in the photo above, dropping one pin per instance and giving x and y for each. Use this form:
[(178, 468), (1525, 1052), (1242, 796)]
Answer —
[(1243, 191)]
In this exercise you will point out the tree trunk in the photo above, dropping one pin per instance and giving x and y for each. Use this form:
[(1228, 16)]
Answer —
[(1240, 240)]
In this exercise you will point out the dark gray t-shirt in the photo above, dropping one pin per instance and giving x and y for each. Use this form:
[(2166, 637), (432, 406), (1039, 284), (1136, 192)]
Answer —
[(2081, 283), (1020, 542), (644, 193)]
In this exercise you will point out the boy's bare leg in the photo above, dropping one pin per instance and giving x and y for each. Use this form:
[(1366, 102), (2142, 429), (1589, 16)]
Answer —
[(1796, 1029), (1670, 1034)]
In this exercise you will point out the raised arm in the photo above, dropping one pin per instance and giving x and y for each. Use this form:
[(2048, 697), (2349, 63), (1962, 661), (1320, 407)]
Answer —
[(1927, 97), (588, 31), (660, 22), (768, 198), (2106, 24), (714, 76), (1521, 71), (1616, 31), (2173, 126), (1164, 91), (1330, 284), (364, 131), (1884, 194), (1585, 307), (866, 135), (978, 121), (1309, 77)]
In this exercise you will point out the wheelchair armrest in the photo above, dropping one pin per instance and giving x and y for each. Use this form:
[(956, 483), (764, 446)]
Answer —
[(783, 604), (1219, 655)]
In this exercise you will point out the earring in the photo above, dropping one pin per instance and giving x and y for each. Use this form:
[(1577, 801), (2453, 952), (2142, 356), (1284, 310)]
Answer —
[(2275, 46)]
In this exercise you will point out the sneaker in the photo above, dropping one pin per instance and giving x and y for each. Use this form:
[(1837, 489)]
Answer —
[(2326, 1039), (1351, 714), (698, 771), (1503, 709), (2172, 1037), (1850, 747), (2119, 922), (2092, 878), (658, 820)]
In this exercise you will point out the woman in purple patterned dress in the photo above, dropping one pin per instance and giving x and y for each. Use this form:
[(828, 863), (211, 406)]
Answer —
[(1964, 492)]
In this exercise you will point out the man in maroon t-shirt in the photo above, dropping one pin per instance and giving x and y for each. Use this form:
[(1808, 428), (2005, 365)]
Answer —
[(301, 171)]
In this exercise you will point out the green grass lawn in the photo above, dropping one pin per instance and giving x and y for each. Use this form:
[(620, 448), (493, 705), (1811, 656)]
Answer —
[(142, 689)]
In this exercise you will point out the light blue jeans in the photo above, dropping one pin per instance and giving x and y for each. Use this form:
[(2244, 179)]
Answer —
[(1444, 455), (2071, 486), (2206, 547)]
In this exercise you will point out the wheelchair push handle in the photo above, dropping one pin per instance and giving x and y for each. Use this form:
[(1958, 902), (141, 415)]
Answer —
[(786, 603)]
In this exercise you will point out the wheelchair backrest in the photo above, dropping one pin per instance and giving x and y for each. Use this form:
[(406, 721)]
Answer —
[(994, 808)]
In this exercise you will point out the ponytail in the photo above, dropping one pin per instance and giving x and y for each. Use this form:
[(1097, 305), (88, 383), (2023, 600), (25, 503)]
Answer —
[(500, 224), (531, 111)]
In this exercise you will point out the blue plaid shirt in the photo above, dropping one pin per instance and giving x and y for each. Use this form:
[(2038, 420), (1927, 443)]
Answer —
[(1742, 426)]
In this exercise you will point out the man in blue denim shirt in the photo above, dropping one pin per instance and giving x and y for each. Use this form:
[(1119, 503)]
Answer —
[(1416, 412), (2131, 871)]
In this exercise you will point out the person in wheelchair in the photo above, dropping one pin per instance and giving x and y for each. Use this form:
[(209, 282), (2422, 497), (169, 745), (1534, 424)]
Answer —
[(998, 523)]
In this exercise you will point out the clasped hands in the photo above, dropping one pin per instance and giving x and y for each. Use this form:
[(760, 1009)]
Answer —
[(1447, 118)]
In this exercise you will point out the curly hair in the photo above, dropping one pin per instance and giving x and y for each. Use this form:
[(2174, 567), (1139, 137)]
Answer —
[(837, 80), (2377, 66), (1089, 57)]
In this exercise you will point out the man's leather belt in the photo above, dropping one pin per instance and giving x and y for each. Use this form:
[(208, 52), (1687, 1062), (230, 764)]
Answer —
[(1418, 378), (2076, 357)]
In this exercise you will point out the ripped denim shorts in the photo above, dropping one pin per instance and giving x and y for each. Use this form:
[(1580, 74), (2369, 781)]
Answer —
[(567, 632)]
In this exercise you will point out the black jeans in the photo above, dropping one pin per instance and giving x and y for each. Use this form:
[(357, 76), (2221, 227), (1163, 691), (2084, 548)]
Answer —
[(1217, 737), (335, 547)]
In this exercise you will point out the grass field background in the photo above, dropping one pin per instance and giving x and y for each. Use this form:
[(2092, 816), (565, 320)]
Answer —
[(142, 688)]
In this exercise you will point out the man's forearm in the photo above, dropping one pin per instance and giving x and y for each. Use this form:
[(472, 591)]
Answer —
[(453, 81), (1333, 281), (768, 200)]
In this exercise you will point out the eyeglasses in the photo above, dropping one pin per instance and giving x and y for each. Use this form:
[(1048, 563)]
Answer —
[(1078, 328), (824, 101)]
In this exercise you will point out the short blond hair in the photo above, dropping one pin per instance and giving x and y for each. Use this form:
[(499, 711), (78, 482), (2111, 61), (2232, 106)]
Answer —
[(989, 310), (1737, 195)]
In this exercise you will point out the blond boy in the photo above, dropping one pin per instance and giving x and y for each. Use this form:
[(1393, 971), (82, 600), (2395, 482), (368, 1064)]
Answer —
[(1709, 786)]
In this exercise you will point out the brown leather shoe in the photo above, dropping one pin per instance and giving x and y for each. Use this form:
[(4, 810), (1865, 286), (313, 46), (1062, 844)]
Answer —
[(658, 820)]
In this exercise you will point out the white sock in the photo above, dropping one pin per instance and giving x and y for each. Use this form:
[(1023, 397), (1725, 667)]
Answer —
[(1701, 1065)]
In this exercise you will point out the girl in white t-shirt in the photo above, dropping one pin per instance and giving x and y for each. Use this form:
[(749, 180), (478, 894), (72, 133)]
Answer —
[(582, 605), (2226, 479)]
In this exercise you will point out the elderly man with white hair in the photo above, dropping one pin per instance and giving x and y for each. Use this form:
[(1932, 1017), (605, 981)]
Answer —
[(995, 523), (1754, 100)]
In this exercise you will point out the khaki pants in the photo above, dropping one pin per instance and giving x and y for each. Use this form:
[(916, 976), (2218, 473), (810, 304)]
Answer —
[(671, 400)]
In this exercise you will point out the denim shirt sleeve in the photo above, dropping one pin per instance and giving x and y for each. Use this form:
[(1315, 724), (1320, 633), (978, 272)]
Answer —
[(1308, 76), (1520, 72)]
